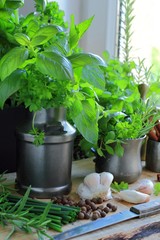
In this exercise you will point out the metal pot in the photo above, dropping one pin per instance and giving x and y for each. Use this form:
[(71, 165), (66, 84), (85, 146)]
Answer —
[(153, 156), (47, 167), (127, 168)]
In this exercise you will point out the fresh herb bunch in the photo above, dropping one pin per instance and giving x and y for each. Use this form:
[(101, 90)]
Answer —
[(125, 30), (127, 107), (50, 68), (124, 114), (32, 216), (40, 90)]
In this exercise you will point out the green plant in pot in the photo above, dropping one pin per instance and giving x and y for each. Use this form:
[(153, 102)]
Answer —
[(125, 118), (124, 121), (46, 72)]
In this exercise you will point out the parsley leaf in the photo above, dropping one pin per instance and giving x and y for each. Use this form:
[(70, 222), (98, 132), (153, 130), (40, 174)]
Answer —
[(117, 187), (157, 188)]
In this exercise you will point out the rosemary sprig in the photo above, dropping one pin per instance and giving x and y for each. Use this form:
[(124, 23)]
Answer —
[(33, 216)]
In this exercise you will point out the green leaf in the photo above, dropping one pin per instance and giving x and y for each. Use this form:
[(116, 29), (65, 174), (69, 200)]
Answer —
[(10, 85), (22, 39), (14, 4), (38, 135), (119, 186), (23, 200), (55, 65), (83, 59), (32, 27), (99, 151), (94, 75), (2, 2), (73, 34), (109, 149), (154, 88), (45, 213), (77, 31), (40, 5), (110, 135), (106, 56), (44, 34), (76, 108), (30, 17), (12, 61), (157, 188), (119, 150), (84, 25), (86, 121)]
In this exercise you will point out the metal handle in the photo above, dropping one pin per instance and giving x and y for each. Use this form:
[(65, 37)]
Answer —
[(147, 209)]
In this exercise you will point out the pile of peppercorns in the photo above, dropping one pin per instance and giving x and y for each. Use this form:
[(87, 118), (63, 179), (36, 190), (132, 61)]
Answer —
[(89, 209)]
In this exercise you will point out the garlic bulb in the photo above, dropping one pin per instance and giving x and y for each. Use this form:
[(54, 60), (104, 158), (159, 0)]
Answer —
[(133, 196), (96, 185), (145, 186)]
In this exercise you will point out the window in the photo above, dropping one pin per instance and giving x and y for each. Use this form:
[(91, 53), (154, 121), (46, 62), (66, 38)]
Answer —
[(145, 40), (102, 34)]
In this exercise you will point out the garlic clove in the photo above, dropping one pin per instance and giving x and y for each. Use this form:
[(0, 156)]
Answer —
[(92, 180), (133, 196), (92, 186), (145, 186), (106, 178), (84, 192)]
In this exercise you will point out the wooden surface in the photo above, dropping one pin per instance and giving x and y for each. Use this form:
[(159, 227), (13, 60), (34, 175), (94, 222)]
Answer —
[(79, 170)]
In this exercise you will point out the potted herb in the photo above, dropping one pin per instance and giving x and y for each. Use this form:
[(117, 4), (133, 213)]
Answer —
[(45, 49), (50, 73), (126, 116), (124, 121)]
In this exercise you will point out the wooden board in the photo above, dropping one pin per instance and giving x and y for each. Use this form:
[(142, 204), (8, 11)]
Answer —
[(79, 170)]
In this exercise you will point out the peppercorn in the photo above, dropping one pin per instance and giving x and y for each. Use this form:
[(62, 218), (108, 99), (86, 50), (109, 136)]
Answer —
[(114, 208), (93, 206), (94, 200), (94, 216), (97, 212), (81, 203), (88, 201), (109, 205), (103, 214), (88, 207), (106, 209), (86, 215), (99, 200), (84, 209), (81, 215)]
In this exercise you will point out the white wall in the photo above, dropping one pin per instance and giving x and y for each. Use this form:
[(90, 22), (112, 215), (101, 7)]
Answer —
[(102, 35), (28, 7)]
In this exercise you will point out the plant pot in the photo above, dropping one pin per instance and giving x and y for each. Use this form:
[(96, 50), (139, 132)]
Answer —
[(153, 156), (47, 167), (127, 168)]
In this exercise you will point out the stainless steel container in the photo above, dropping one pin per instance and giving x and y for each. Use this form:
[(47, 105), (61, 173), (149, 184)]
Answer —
[(153, 156), (47, 167), (127, 168)]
